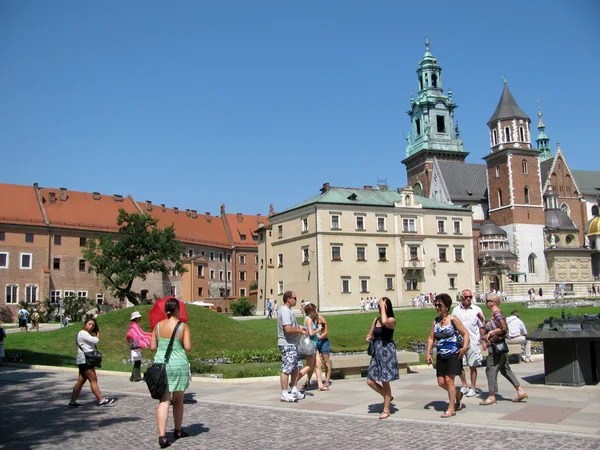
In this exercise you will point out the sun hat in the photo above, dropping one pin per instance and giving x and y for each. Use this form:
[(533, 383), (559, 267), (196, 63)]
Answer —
[(135, 315)]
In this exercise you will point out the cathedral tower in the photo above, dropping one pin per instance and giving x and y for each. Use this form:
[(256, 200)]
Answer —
[(433, 133)]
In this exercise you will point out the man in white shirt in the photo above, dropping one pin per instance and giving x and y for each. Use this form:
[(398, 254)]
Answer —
[(517, 335), (472, 318)]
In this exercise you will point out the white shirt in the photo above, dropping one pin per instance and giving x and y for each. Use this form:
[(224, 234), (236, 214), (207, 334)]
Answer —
[(471, 322), (85, 343), (516, 327)]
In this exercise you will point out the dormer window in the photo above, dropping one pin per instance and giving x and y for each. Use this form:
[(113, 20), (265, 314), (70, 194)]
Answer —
[(352, 197)]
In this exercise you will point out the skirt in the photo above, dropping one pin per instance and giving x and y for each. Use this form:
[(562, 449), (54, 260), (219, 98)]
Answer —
[(384, 362)]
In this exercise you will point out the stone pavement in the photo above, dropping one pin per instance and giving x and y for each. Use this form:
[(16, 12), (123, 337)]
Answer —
[(247, 414)]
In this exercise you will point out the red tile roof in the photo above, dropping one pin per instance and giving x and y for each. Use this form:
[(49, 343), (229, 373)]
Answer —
[(245, 225), (19, 205)]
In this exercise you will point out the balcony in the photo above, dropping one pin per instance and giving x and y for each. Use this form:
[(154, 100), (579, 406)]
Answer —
[(413, 263)]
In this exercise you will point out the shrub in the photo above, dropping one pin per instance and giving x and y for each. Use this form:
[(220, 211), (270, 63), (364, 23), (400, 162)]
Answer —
[(77, 307), (48, 311), (201, 367), (243, 307)]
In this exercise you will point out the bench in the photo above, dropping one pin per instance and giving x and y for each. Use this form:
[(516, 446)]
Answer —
[(351, 366)]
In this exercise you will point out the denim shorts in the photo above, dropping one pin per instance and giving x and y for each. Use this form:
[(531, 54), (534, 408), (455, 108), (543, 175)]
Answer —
[(290, 359), (323, 346)]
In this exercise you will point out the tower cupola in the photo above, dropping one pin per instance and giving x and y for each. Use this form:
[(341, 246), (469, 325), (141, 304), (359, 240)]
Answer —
[(543, 142), (509, 125), (429, 71)]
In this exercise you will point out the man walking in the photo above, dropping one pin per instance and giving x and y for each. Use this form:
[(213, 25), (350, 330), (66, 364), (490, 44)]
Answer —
[(472, 318), (269, 309), (23, 314), (517, 335), (288, 335)]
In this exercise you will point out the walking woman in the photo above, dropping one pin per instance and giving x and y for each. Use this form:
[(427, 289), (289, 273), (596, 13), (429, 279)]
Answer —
[(137, 339), (87, 339), (445, 331), (496, 330), (313, 328), (178, 375), (384, 363), (323, 350)]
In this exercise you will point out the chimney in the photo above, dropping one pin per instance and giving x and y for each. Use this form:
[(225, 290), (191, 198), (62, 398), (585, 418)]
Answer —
[(261, 224), (207, 216), (271, 210), (175, 209), (163, 208), (36, 186), (194, 213), (222, 208), (63, 194), (368, 188), (148, 205), (52, 197), (325, 188), (96, 195), (240, 217), (188, 213), (118, 198)]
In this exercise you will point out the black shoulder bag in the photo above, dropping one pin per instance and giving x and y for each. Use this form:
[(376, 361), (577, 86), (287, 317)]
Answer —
[(93, 358), (156, 375)]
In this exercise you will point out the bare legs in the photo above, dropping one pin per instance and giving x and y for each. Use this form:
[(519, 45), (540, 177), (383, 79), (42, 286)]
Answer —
[(308, 369), (178, 409), (291, 378), (385, 390), (447, 383), (89, 374)]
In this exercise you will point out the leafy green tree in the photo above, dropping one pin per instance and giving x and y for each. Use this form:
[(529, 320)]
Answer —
[(139, 248), (253, 285), (243, 307), (77, 307), (48, 311)]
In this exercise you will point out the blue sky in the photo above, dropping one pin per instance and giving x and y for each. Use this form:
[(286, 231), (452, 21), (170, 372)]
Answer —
[(249, 103)]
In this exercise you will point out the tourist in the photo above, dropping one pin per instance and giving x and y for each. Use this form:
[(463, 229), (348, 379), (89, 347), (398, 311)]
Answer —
[(362, 304), (288, 332), (556, 294), (23, 314), (323, 350), (87, 339), (496, 330), (593, 290), (178, 369), (540, 292), (269, 309), (472, 319), (137, 339), (35, 320), (313, 328), (445, 331), (2, 336), (517, 335), (275, 308), (384, 363), (66, 320)]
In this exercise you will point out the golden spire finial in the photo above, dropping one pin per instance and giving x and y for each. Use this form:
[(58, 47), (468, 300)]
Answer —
[(427, 41)]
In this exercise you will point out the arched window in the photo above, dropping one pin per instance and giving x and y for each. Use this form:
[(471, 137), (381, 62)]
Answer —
[(569, 239), (531, 263), (418, 188), (434, 80), (525, 168), (499, 197), (565, 208), (595, 210), (522, 134), (497, 171), (407, 201), (526, 192), (507, 134)]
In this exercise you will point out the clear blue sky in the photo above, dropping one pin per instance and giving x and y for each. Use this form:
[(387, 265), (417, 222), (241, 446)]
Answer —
[(247, 103)]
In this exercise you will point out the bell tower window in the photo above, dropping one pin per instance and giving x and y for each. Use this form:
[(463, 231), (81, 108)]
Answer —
[(495, 137), (522, 134), (499, 197), (434, 80), (525, 168), (497, 171), (441, 126), (418, 125), (507, 134), (526, 192)]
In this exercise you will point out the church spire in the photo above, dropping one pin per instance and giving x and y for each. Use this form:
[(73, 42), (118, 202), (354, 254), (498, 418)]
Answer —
[(543, 142)]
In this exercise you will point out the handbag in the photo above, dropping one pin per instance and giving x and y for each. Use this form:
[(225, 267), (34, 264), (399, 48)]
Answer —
[(499, 347), (93, 358), (371, 349), (156, 375), (306, 346)]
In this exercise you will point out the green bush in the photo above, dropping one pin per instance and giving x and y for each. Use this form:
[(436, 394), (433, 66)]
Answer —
[(77, 307), (252, 356), (201, 367), (243, 307), (48, 311)]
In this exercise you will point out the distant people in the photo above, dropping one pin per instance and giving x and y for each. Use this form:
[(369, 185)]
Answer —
[(496, 331), (269, 309), (22, 315), (2, 336), (323, 351), (444, 332), (87, 339), (556, 294), (137, 340), (368, 305), (593, 290), (35, 320), (472, 319), (178, 369), (288, 334), (517, 334), (302, 303), (562, 293), (362, 304), (275, 308), (66, 320), (540, 292), (313, 328), (384, 362)]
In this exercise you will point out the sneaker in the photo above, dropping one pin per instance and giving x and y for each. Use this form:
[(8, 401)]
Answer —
[(74, 405), (298, 395), (106, 402), (288, 398), (471, 393), (464, 390)]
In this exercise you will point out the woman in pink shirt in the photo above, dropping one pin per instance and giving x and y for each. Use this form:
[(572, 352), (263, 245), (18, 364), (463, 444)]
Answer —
[(137, 339)]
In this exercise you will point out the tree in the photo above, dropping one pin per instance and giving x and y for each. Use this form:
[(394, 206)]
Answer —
[(139, 248), (77, 307), (243, 307)]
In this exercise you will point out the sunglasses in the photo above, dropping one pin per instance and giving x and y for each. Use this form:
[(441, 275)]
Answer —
[(467, 296), (438, 305)]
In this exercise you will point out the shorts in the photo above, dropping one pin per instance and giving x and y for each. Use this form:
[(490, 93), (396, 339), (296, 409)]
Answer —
[(323, 346), (473, 357), (290, 359), (450, 366), (84, 367), (22, 323)]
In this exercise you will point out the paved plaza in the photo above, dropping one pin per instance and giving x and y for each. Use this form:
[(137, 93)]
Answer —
[(247, 414)]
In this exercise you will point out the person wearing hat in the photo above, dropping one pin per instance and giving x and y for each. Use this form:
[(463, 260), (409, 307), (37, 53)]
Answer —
[(137, 339), (35, 320)]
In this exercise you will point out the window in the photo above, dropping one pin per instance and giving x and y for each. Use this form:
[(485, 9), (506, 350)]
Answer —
[(594, 210), (524, 166), (57, 239), (452, 281), (82, 294), (360, 223), (280, 260), (495, 137), (412, 284), (31, 291), (441, 226), (99, 299), (221, 275), (2, 235), (457, 227), (200, 271), (26, 260), (280, 231), (336, 253), (29, 237), (531, 263), (305, 255), (526, 194), (173, 272), (382, 252), (304, 224), (69, 294), (12, 293), (364, 285), (408, 225), (82, 265), (565, 208), (54, 296), (441, 127), (335, 222), (202, 252), (3, 260), (200, 292), (442, 254), (221, 257), (242, 292), (381, 224), (173, 291), (360, 254), (242, 275), (190, 252), (212, 274), (82, 241), (414, 253), (256, 275), (345, 285), (228, 258), (280, 287), (243, 237), (522, 134), (499, 198), (497, 171), (212, 256), (256, 259), (242, 259), (389, 283), (507, 134), (458, 254), (229, 275)]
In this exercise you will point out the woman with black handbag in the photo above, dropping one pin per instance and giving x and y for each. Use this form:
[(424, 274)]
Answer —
[(494, 340), (177, 368), (87, 339)]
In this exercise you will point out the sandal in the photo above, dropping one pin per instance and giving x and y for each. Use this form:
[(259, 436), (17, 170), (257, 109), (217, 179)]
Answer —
[(384, 415), (177, 434), (162, 441), (520, 398), (306, 385), (324, 388), (448, 414), (488, 402)]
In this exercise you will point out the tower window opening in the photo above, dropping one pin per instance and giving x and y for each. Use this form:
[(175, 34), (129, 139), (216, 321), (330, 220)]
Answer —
[(497, 171), (441, 124), (500, 197), (420, 83), (418, 125), (507, 134), (522, 134), (426, 80), (565, 208), (434, 80), (495, 137), (525, 168), (531, 263), (595, 210), (526, 192)]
